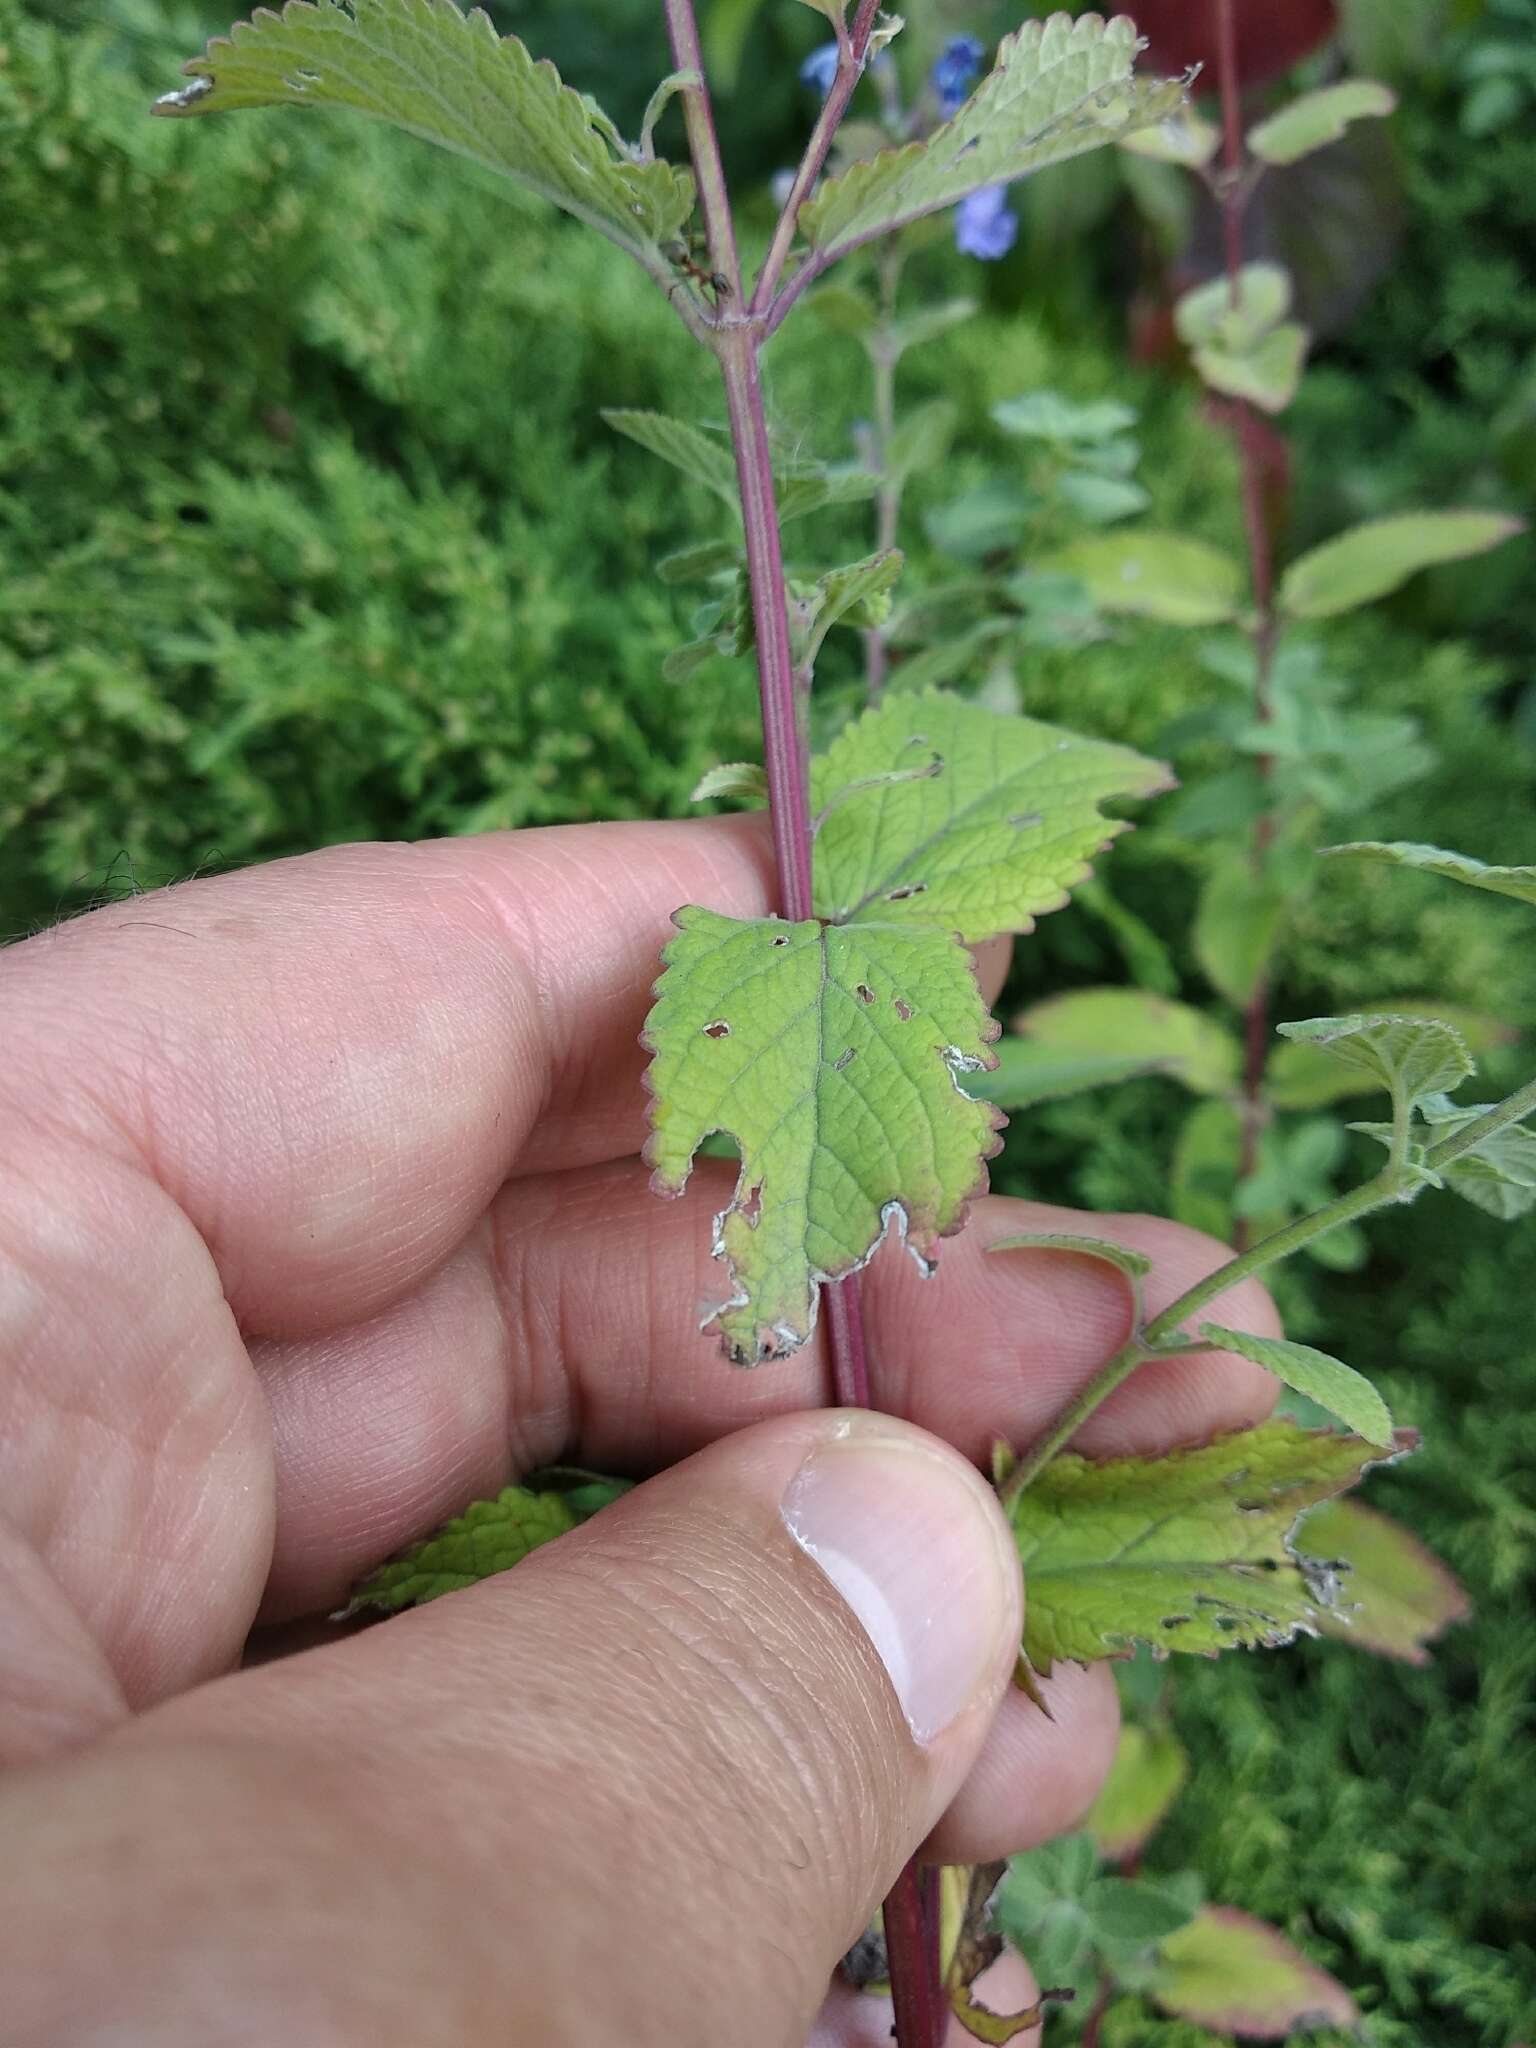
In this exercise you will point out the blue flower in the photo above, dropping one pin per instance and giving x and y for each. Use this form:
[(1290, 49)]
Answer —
[(985, 226), (820, 68), (957, 69)]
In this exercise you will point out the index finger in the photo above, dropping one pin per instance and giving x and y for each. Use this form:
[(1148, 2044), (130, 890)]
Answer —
[(332, 1063)]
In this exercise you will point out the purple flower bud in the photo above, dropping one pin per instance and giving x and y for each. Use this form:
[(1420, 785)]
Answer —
[(820, 68), (956, 71), (985, 226)]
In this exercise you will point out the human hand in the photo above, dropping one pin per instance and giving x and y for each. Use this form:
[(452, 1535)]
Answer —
[(320, 1215)]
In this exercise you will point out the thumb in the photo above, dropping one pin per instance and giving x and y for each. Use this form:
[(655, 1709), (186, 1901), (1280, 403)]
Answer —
[(647, 1787)]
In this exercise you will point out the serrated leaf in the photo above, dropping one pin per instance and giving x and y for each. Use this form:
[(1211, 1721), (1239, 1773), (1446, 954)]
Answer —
[(1134, 1265), (704, 457), (1372, 560), (1314, 119), (1146, 1777), (999, 837), (1325, 1380), (1236, 922), (1027, 1073), (1058, 87), (1395, 1595), (1409, 1056), (1182, 137), (1266, 375), (1130, 1915), (1237, 1975), (1498, 1177), (810, 490), (447, 77), (1436, 860), (859, 594), (1184, 1552), (1154, 576), (489, 1537), (1128, 1023), (732, 778), (699, 564), (834, 1056)]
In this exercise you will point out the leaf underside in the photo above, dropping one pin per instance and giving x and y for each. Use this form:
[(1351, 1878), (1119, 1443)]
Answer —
[(832, 1055), (1373, 559), (1438, 860), (1408, 1056), (1059, 87), (1001, 833), (1186, 1552), (423, 66)]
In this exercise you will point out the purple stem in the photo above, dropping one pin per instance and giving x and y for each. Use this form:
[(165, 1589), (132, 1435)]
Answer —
[(845, 1330)]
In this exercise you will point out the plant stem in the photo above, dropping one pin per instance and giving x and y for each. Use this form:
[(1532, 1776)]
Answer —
[(851, 46), (1512, 1110), (1231, 199), (1071, 1419), (737, 337)]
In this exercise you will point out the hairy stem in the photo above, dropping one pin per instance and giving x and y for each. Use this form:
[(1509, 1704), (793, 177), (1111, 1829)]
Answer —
[(851, 47), (1231, 198), (911, 1931), (1071, 1419)]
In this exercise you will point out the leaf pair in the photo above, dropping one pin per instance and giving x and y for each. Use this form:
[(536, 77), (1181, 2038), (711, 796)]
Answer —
[(835, 1051)]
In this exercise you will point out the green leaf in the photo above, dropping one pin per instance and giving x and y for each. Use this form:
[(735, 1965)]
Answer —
[(699, 564), (423, 66), (1300, 1076), (1409, 1056), (1147, 1776), (1046, 416), (1134, 1265), (1314, 119), (1267, 375), (1027, 1073), (1237, 1975), (922, 440), (1101, 499), (1155, 576), (1236, 923), (1182, 137), (1206, 317), (1328, 1381), (1130, 1024), (1000, 836), (811, 489), (1395, 1596), (1498, 1176), (683, 661), (927, 323), (858, 594), (704, 457), (1370, 561), (489, 1537), (1129, 1915), (843, 310), (980, 522), (1207, 1160), (732, 778), (1058, 87), (1435, 860), (1184, 1552), (786, 1036)]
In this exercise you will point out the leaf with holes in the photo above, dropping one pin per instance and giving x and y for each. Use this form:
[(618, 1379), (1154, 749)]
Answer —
[(489, 1537), (1000, 835), (1370, 561), (1327, 1381), (1059, 87), (1185, 1552), (1314, 119), (1237, 1975), (447, 77), (1127, 1023), (1154, 575), (834, 1056), (1437, 860), (1409, 1056), (1395, 1596)]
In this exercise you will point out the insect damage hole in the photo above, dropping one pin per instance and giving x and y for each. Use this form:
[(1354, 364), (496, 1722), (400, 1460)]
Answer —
[(846, 1059), (719, 1029), (864, 992), (752, 1206), (903, 1010), (908, 889)]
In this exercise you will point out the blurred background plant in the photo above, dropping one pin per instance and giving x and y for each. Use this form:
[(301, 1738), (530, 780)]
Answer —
[(288, 560)]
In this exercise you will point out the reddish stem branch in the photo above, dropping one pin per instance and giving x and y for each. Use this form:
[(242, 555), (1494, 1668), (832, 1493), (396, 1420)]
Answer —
[(911, 1943)]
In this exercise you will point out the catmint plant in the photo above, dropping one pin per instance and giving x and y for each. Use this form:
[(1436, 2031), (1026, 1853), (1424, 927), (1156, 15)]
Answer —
[(842, 1046)]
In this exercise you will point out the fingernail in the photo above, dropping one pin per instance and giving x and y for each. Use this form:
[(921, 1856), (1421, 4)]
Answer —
[(913, 1540)]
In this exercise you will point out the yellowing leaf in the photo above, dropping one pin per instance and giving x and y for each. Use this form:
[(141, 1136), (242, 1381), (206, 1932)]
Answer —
[(1185, 1552), (1395, 1596), (1325, 1380), (489, 1537), (1154, 576), (834, 1056), (1370, 561), (1001, 832), (423, 66), (1059, 87), (1313, 119), (1436, 860), (1147, 1775), (1237, 1975), (1130, 1024)]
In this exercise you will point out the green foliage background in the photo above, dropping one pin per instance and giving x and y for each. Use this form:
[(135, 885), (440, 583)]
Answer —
[(310, 531)]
